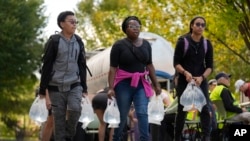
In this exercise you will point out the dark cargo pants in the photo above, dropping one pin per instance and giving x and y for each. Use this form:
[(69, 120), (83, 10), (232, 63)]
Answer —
[(66, 109)]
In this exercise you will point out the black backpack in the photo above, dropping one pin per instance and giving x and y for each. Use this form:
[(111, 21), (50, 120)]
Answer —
[(55, 38)]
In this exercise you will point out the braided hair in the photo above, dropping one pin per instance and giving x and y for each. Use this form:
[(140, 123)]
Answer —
[(126, 20)]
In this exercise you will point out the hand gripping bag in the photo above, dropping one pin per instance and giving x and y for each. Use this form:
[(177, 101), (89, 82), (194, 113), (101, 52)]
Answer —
[(155, 110), (38, 110), (192, 98), (87, 113), (112, 113)]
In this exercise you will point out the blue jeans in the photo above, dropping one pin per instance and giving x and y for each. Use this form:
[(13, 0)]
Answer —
[(125, 95)]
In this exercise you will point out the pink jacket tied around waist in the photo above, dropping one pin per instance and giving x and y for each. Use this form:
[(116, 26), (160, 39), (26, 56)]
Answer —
[(121, 75)]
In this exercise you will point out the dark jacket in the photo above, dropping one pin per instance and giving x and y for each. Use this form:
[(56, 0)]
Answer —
[(195, 59), (228, 101), (62, 66)]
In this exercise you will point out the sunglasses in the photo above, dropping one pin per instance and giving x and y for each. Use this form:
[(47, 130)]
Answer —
[(200, 25), (73, 22), (134, 26)]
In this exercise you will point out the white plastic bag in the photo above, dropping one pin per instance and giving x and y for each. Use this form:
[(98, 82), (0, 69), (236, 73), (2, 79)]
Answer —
[(112, 113), (155, 110), (192, 98), (87, 113), (38, 110), (113, 126)]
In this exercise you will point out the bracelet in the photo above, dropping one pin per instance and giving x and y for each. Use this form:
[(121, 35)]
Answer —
[(203, 77)]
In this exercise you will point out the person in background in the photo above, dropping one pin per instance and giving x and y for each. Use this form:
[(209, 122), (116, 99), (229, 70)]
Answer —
[(47, 130), (99, 104), (221, 92), (196, 64), (131, 71), (169, 119), (212, 83), (133, 125), (64, 75), (243, 87), (158, 131)]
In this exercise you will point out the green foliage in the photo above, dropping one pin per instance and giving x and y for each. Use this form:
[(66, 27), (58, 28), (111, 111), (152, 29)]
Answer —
[(228, 26), (20, 48)]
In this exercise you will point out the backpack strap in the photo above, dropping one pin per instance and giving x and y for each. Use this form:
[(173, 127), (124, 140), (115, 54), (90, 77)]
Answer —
[(79, 40), (186, 44), (55, 40), (205, 45)]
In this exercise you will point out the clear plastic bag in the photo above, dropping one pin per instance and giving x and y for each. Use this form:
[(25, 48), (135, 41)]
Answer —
[(87, 113), (192, 98), (38, 110), (113, 126), (155, 110), (112, 113)]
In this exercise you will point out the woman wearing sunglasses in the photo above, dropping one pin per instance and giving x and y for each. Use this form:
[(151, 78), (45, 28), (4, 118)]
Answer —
[(197, 64)]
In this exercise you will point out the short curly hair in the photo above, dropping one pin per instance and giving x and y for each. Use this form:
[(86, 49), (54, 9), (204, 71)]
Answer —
[(62, 16), (126, 20)]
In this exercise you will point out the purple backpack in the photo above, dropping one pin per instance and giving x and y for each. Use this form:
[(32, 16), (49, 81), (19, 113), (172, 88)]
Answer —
[(186, 45)]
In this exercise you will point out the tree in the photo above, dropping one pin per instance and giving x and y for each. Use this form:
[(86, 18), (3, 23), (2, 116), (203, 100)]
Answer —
[(227, 25), (20, 49)]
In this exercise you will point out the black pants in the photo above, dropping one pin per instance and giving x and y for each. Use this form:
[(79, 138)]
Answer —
[(181, 115), (165, 131), (80, 133)]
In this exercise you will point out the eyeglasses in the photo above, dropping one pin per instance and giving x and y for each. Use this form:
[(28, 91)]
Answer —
[(134, 26), (200, 25), (73, 22)]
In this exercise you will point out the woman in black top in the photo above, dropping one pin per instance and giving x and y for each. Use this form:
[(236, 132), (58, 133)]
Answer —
[(130, 67), (194, 63)]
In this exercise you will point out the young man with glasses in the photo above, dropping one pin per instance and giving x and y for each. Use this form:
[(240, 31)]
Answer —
[(63, 74), (194, 63)]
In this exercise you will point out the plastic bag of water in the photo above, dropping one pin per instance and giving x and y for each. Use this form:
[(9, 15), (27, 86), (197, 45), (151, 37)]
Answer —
[(112, 113), (87, 113), (155, 110), (38, 110), (113, 126), (192, 98)]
